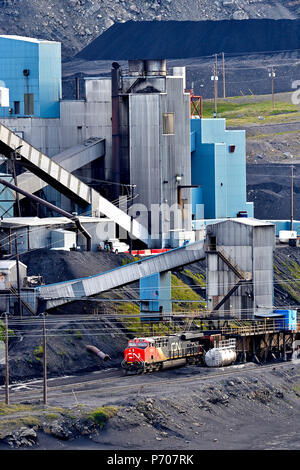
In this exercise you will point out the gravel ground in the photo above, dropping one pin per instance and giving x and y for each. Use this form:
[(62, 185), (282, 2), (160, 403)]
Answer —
[(250, 410)]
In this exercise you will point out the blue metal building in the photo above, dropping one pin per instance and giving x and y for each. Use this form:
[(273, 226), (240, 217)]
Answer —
[(219, 168), (31, 69), (155, 296)]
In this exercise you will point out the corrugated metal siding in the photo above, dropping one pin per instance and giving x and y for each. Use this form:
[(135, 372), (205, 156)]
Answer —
[(248, 245)]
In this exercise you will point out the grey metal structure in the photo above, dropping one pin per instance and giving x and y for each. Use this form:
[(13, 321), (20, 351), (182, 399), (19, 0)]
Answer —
[(240, 266), (54, 295), (62, 180), (152, 145)]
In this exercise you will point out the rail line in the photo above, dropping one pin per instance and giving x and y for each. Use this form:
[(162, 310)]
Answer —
[(69, 389)]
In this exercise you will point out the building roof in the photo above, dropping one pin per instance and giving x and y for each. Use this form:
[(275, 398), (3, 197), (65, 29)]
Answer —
[(249, 221), (8, 264), (27, 39), (9, 222)]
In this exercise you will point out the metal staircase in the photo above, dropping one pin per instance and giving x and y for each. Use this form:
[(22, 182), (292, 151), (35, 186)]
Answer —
[(244, 277)]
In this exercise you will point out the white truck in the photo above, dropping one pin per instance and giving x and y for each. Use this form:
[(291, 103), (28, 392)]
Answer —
[(113, 245), (286, 235)]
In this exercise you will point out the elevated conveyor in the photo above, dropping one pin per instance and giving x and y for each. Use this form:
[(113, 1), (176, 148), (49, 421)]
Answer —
[(59, 178), (71, 160), (54, 295)]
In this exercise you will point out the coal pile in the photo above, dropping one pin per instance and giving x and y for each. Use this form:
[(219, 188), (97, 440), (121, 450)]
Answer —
[(183, 39), (269, 187)]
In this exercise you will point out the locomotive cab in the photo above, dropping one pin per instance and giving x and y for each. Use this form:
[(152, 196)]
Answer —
[(135, 354)]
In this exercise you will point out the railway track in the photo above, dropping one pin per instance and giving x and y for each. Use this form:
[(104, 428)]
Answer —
[(108, 387)]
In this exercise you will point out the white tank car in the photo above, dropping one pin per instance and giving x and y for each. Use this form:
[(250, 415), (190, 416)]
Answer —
[(222, 356)]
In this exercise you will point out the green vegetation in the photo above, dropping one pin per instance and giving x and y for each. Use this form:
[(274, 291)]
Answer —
[(101, 415), (78, 334), (181, 291), (296, 389), (128, 261), (241, 110), (38, 352), (130, 312), (2, 332), (199, 279), (11, 409), (288, 277)]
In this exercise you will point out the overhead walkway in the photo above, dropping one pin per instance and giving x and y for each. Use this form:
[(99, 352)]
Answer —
[(54, 295), (61, 179)]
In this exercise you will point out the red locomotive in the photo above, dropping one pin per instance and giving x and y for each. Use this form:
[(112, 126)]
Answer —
[(162, 352)]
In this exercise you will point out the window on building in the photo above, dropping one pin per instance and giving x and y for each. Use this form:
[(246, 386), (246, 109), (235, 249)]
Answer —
[(29, 103), (17, 107), (168, 123)]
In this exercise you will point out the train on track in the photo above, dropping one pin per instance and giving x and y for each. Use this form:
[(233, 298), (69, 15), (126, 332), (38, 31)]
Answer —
[(265, 338), (162, 352)]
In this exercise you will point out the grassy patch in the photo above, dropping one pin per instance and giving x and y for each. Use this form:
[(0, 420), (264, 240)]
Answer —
[(198, 278), (101, 415), (38, 352), (127, 310), (2, 332), (78, 334), (128, 261), (12, 409), (288, 278), (245, 112), (181, 291)]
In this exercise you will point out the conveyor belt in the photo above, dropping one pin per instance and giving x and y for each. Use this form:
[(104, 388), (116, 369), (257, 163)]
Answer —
[(53, 295)]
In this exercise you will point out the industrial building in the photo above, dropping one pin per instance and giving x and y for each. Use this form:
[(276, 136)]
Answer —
[(31, 69), (240, 267), (129, 160), (219, 169), (132, 138)]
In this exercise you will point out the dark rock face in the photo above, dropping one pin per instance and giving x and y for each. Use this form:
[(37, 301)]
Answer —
[(77, 22)]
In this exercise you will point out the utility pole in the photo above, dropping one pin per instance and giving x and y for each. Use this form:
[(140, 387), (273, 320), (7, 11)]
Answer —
[(44, 361), (224, 76), (292, 197), (215, 79), (6, 362), (18, 276), (272, 75)]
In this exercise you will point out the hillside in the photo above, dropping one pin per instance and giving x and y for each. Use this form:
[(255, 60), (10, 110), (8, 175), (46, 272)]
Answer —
[(77, 22)]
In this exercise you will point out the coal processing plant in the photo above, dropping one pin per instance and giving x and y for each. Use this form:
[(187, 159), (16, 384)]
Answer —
[(133, 168)]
